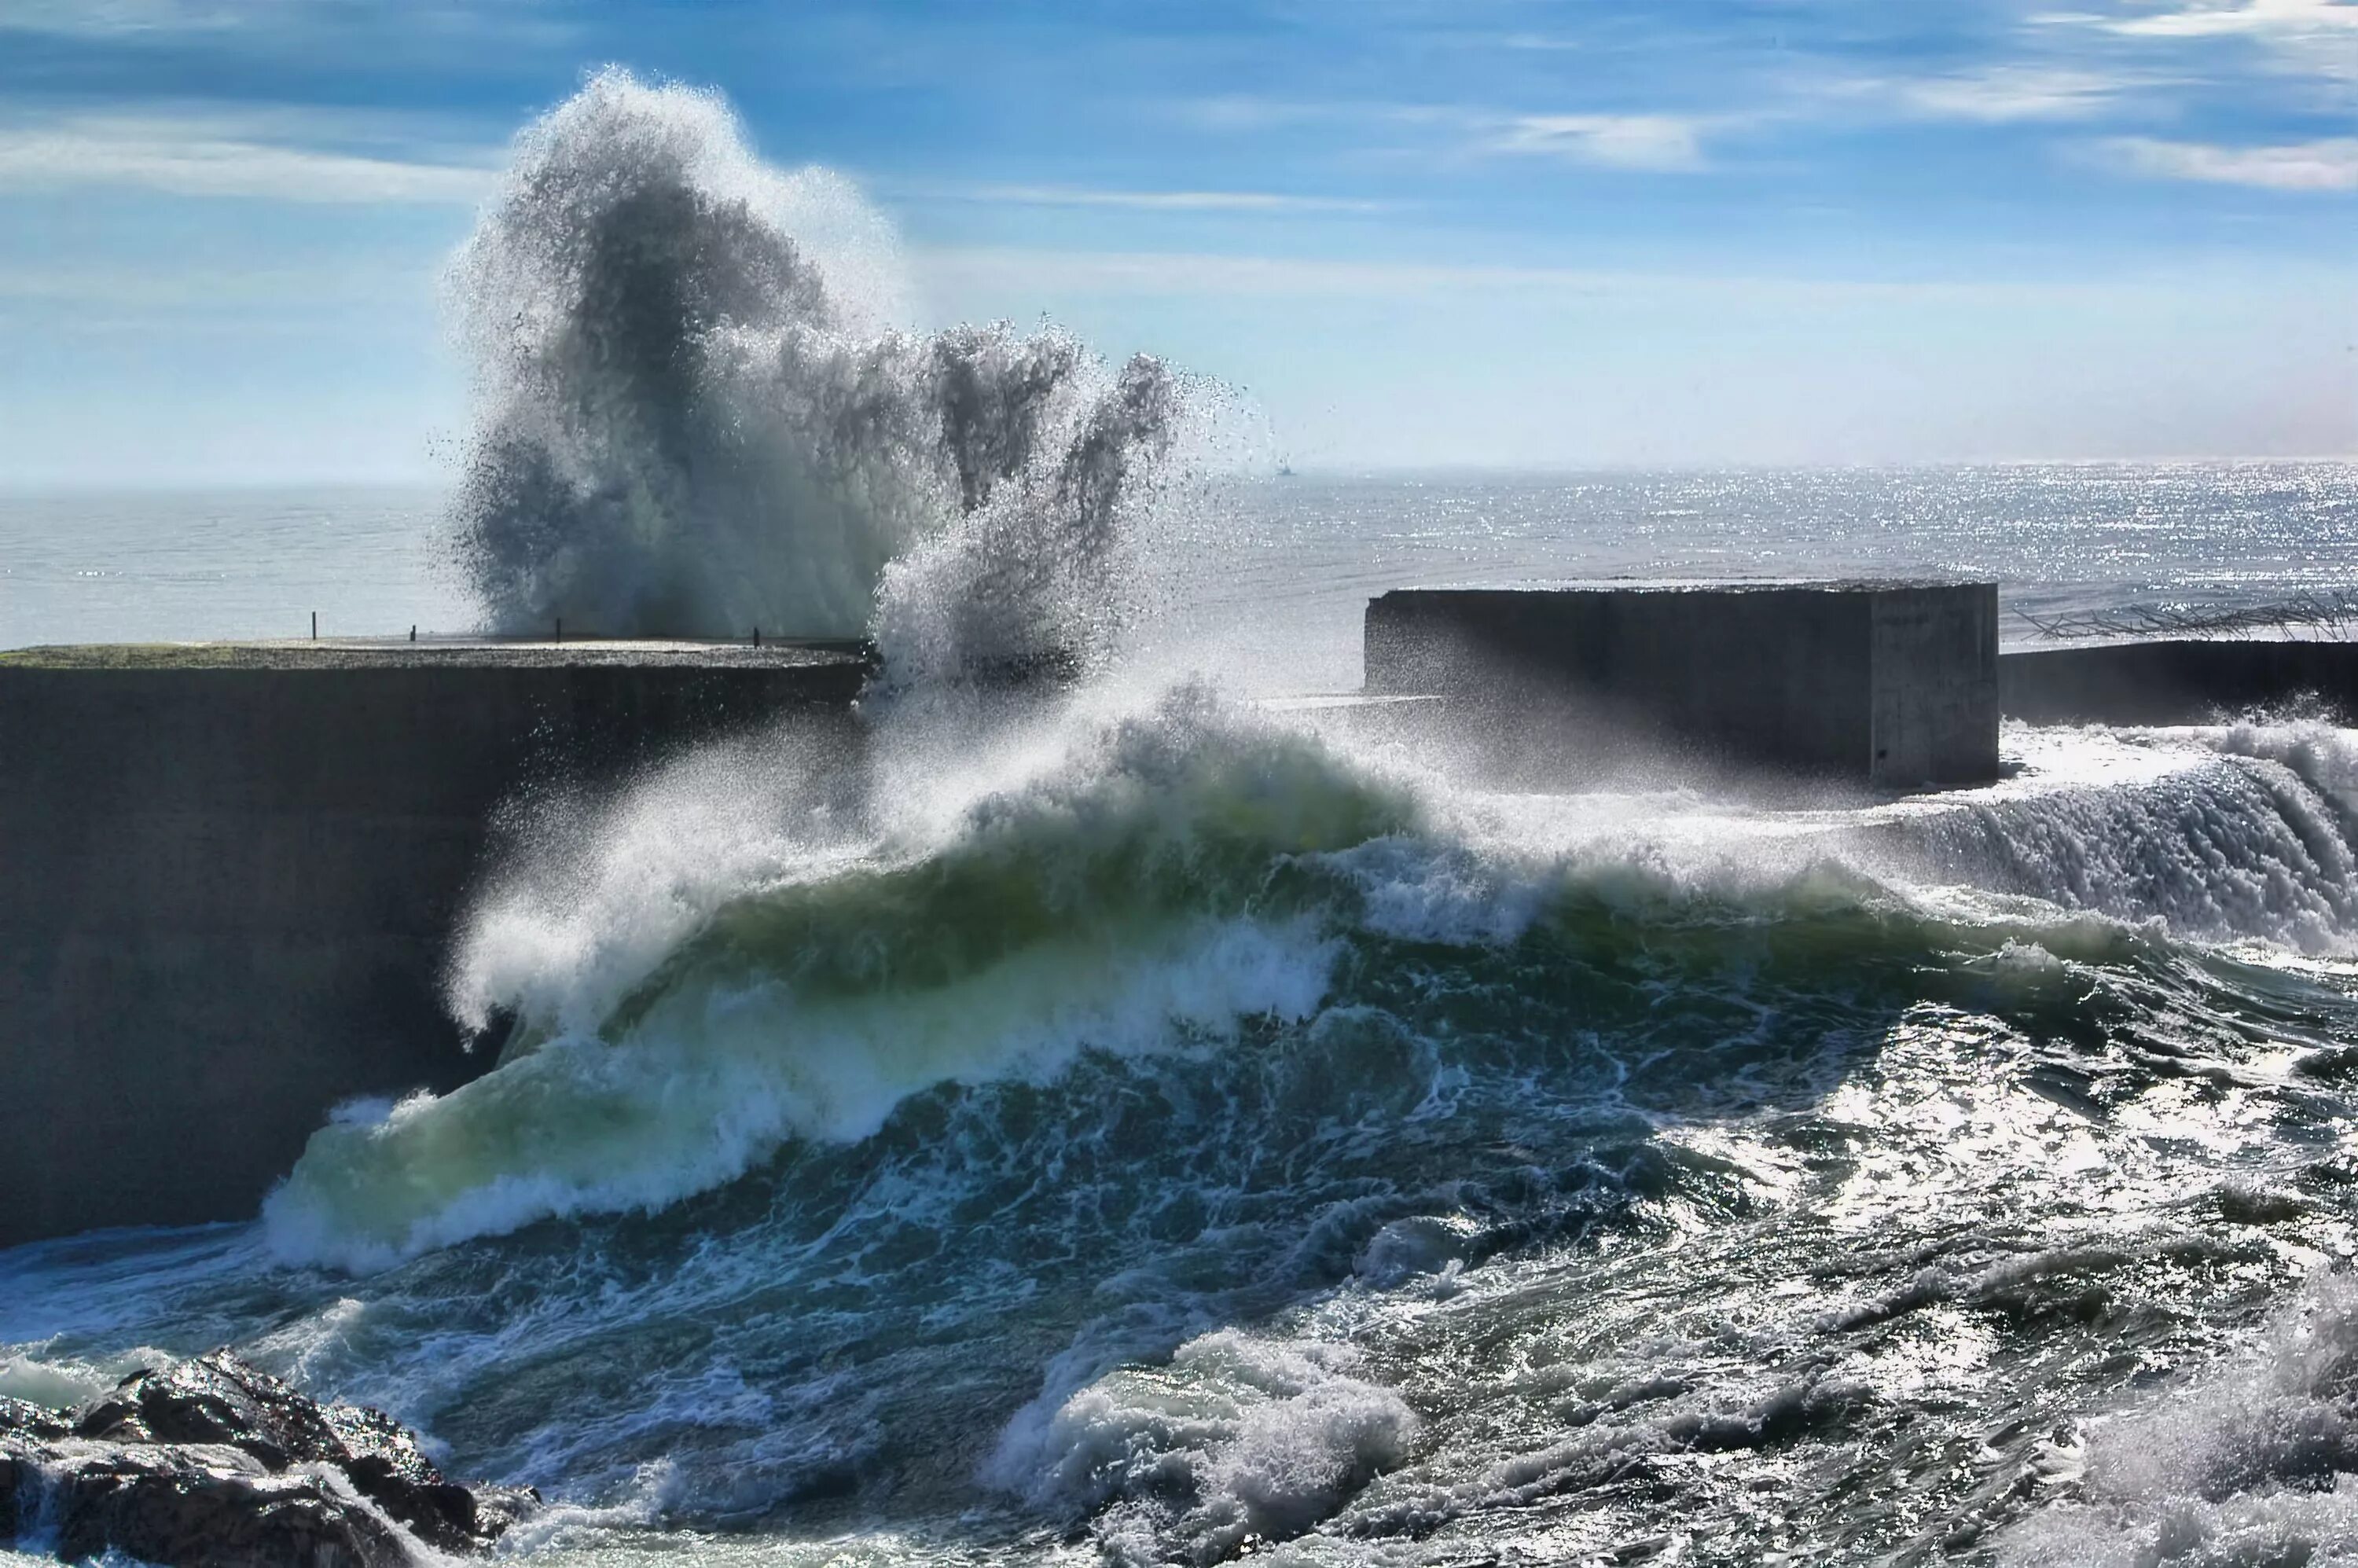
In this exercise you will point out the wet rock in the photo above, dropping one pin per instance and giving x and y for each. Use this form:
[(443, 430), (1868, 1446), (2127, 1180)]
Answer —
[(212, 1399), (198, 1506), (212, 1462), (32, 1421)]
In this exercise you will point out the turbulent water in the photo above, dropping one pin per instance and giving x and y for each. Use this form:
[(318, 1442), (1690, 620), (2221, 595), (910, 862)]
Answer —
[(1132, 1122), (1168, 1131), (696, 418)]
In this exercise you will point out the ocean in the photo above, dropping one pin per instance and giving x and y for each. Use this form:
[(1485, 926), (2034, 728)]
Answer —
[(1133, 1125), (1156, 1132), (1262, 581)]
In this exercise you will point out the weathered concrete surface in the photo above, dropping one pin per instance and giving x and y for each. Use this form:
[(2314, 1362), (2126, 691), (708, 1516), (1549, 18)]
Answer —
[(2176, 682), (1892, 685), (433, 653), (226, 892), (1933, 696)]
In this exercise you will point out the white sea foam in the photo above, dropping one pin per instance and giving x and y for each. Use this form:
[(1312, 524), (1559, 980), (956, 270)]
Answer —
[(1236, 1437), (2252, 1460), (727, 956), (63, 1383), (2221, 833), (1103, 904), (596, 893), (715, 1080), (695, 413), (698, 414)]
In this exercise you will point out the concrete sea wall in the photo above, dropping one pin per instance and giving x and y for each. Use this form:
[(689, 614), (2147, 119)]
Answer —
[(229, 880), (226, 894), (1892, 685), (2189, 681)]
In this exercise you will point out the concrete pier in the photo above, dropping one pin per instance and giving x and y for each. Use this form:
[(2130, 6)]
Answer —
[(2182, 681), (1889, 685), (230, 874)]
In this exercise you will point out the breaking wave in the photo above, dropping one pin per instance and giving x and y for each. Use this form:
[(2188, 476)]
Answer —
[(2257, 841), (2243, 1463), (1233, 1439), (1161, 1134), (698, 414), (738, 952), (802, 986), (1142, 1119)]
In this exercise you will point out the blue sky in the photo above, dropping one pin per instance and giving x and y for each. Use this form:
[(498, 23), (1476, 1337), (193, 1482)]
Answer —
[(1466, 231)]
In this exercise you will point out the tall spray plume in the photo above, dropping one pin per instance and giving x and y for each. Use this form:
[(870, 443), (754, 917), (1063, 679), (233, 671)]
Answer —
[(696, 416)]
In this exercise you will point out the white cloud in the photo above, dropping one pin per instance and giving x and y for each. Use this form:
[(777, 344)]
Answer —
[(2247, 16), (207, 157), (1169, 200), (336, 27), (2007, 92), (1640, 141), (2310, 37), (2330, 165), (1158, 272), (188, 293), (1663, 142), (995, 276), (105, 17)]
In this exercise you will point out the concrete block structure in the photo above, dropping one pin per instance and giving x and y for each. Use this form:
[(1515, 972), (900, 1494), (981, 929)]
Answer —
[(1892, 685), (230, 879), (2179, 681)]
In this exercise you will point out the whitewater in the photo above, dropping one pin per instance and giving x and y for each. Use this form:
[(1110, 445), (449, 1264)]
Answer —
[(1109, 1116)]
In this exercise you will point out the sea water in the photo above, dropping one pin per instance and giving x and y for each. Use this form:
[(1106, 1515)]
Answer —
[(1135, 1126), (1264, 580)]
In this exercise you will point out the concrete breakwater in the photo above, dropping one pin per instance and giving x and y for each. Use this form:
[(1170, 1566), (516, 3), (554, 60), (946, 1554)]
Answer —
[(1875, 683), (2184, 681), (1888, 684), (228, 878)]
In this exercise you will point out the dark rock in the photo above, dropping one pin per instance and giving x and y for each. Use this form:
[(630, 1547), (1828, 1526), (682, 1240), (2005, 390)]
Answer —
[(214, 1399), (32, 1420), (213, 1462), (208, 1506), (21, 1417)]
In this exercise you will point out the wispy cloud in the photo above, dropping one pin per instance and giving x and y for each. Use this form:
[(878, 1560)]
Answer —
[(2328, 164), (103, 19), (1660, 142), (2245, 17), (207, 157), (186, 292), (1169, 200), (998, 273), (1997, 94), (265, 22), (1159, 272), (2310, 37)]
